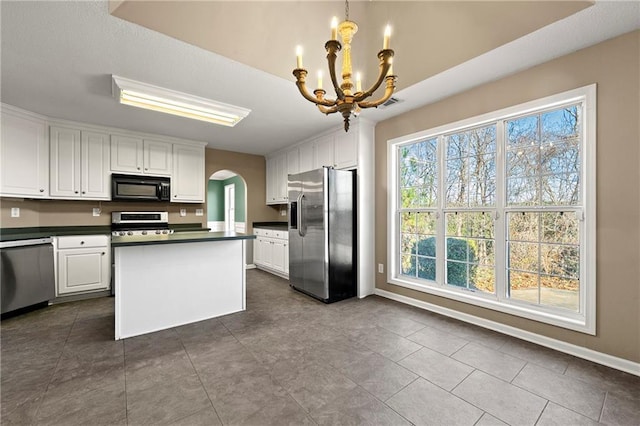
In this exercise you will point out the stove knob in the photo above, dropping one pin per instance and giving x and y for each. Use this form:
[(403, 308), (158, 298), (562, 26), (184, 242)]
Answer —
[(157, 231), (165, 231), (129, 233), (121, 233), (144, 232)]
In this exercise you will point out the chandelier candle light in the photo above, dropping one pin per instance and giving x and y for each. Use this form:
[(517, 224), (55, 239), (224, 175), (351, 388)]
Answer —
[(347, 101)]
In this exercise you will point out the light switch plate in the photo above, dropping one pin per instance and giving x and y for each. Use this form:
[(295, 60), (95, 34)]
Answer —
[(183, 212), (96, 211), (380, 268), (199, 212), (15, 211)]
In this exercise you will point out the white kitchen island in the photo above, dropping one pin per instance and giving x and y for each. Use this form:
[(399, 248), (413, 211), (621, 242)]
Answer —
[(166, 281)]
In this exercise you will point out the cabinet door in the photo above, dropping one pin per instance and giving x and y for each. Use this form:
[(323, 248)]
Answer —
[(346, 149), (307, 157), (257, 251), (293, 162), (187, 182), (324, 152), (81, 270), (96, 182), (126, 154), (65, 161), (286, 257), (278, 257), (281, 178), (158, 157), (24, 156), (271, 178), (267, 252)]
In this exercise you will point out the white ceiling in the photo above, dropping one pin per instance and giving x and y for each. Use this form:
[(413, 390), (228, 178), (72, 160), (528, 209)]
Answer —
[(58, 58)]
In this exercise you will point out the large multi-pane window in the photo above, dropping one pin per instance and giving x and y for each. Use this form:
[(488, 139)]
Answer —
[(496, 210)]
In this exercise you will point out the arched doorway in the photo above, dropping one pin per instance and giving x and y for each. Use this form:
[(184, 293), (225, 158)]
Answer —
[(226, 202)]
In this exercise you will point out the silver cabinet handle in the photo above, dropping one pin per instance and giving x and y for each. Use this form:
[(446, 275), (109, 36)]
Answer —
[(41, 190), (103, 253), (81, 242), (75, 192)]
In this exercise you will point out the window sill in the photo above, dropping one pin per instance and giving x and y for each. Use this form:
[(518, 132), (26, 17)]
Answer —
[(572, 321)]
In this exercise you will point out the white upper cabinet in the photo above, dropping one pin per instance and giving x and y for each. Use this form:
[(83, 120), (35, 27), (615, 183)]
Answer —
[(24, 155), (126, 154), (277, 178), (346, 148), (158, 157), (79, 164), (293, 162), (324, 152), (187, 182), (141, 156), (307, 156)]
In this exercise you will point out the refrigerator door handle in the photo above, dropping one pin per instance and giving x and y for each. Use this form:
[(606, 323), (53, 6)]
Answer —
[(301, 226)]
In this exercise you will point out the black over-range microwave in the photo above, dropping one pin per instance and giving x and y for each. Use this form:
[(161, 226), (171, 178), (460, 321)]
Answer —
[(140, 188)]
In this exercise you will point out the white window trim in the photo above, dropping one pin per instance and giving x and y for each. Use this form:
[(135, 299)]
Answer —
[(584, 321)]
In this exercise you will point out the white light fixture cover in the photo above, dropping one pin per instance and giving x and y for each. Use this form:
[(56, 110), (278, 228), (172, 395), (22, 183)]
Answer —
[(143, 95)]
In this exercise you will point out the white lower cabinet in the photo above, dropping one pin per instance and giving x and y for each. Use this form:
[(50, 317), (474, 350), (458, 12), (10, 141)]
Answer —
[(271, 251), (82, 264)]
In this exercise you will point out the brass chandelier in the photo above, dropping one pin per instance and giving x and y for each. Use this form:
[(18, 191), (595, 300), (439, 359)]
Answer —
[(347, 101)]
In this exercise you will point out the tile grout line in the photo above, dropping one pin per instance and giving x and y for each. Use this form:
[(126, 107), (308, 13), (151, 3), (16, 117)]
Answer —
[(199, 380), (66, 340), (541, 412), (604, 402)]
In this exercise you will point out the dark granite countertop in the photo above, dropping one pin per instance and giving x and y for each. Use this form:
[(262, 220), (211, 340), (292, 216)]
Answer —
[(14, 234), (179, 237), (280, 226)]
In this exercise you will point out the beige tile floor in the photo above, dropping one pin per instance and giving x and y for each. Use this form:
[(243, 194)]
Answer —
[(289, 359)]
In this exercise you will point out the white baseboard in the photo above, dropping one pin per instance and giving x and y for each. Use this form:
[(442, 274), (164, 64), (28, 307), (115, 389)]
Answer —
[(249, 266), (273, 272), (569, 348)]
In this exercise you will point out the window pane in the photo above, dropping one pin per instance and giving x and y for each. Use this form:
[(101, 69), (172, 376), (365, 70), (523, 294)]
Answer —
[(427, 246), (418, 174), (471, 168), (560, 227), (408, 222), (560, 124), (560, 292), (523, 286), (408, 265), (425, 223), (523, 226), (523, 256), (523, 162), (560, 158), (551, 254), (522, 132), (560, 189), (458, 249), (457, 274), (559, 260), (457, 225), (523, 191), (480, 224), (426, 268), (409, 243), (483, 279)]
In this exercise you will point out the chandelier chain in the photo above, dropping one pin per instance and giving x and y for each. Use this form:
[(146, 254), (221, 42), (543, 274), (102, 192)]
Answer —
[(346, 10)]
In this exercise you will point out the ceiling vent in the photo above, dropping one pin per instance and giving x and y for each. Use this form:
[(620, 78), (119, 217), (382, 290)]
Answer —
[(391, 101)]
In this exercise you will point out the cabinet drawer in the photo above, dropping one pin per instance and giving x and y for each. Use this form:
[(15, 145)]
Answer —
[(284, 235), (82, 241), (261, 232)]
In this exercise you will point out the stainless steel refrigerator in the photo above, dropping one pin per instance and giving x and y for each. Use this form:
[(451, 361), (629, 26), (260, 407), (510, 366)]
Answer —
[(322, 233)]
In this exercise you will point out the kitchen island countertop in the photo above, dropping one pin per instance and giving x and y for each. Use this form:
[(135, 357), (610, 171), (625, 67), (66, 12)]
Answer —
[(178, 237)]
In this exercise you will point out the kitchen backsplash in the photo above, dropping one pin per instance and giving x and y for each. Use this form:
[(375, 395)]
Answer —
[(80, 213)]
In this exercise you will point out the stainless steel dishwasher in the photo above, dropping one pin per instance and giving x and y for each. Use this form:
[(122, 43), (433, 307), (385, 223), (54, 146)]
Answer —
[(27, 274)]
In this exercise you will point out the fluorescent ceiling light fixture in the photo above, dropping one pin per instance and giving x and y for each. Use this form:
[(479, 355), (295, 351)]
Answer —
[(143, 95)]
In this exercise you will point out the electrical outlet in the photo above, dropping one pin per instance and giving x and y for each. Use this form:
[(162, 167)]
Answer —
[(380, 268), (199, 212), (15, 211), (96, 211), (183, 212)]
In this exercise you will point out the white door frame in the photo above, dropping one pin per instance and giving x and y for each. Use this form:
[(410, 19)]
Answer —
[(229, 207)]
